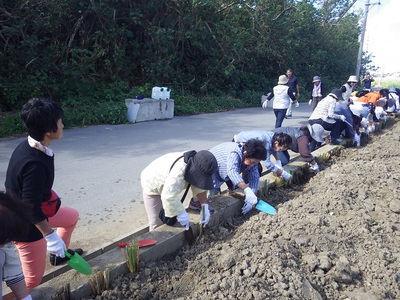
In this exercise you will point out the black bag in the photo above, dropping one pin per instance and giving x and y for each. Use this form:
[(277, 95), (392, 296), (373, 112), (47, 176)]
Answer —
[(166, 220), (170, 221)]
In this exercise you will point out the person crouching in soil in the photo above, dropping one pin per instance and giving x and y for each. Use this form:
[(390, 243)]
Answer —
[(167, 176), (274, 143), (324, 115), (302, 140), (235, 158)]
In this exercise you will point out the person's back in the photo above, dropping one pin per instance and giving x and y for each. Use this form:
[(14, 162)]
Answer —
[(321, 111), (370, 97), (262, 135), (294, 133), (281, 97)]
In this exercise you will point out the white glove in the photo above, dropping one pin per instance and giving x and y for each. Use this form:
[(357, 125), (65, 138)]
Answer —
[(251, 198), (343, 118), (204, 219), (246, 208), (265, 104), (357, 139), (286, 175), (364, 122), (314, 167), (309, 102), (297, 104), (279, 164), (55, 245), (184, 219)]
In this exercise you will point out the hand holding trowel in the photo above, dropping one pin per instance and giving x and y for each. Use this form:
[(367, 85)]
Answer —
[(77, 262)]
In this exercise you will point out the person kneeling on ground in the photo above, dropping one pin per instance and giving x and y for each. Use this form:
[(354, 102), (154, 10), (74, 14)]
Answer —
[(324, 115), (353, 114), (167, 176), (302, 140), (235, 158), (274, 143)]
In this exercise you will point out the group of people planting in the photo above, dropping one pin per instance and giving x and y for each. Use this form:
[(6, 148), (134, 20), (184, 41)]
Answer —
[(30, 209)]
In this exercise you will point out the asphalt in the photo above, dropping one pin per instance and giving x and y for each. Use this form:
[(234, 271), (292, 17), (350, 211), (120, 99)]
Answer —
[(98, 168)]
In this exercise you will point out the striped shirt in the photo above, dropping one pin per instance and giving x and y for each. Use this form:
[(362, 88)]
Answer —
[(266, 137), (230, 164)]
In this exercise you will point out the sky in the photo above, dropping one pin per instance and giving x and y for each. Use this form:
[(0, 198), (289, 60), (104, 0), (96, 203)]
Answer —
[(382, 38)]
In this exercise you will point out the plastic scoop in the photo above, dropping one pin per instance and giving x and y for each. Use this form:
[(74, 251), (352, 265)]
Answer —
[(265, 207), (145, 243), (77, 262)]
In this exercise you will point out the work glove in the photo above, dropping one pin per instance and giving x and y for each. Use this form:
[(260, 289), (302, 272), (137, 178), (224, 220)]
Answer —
[(297, 104), (343, 118), (357, 139), (364, 122), (285, 175), (246, 208), (309, 102), (184, 219), (251, 198), (204, 215), (314, 167), (55, 245), (279, 164), (265, 104)]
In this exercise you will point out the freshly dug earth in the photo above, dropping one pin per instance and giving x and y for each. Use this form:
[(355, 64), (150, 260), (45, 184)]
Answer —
[(336, 237)]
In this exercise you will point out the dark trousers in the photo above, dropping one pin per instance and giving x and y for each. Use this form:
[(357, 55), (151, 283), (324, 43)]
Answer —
[(280, 116), (333, 128)]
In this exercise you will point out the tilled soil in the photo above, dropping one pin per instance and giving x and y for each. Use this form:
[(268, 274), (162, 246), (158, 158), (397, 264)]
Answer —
[(336, 237)]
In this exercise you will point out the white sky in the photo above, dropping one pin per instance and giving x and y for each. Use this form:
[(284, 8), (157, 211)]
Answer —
[(382, 38)]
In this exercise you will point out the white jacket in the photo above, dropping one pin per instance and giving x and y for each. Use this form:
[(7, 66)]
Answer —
[(281, 97), (157, 179)]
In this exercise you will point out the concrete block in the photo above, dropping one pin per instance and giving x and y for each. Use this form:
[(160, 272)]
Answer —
[(149, 109)]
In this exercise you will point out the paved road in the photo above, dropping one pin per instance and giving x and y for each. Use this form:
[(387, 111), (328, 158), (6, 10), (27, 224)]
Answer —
[(98, 168)]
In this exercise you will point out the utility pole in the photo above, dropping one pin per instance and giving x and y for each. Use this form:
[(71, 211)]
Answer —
[(364, 25)]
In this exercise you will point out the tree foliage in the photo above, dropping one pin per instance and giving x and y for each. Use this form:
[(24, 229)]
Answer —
[(85, 51)]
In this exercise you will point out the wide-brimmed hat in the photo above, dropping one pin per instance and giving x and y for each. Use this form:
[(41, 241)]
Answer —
[(199, 170), (316, 78), (283, 79), (392, 90), (337, 93), (352, 78), (317, 132)]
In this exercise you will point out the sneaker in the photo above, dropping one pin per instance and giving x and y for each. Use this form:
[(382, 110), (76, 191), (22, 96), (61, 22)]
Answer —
[(56, 260), (195, 205)]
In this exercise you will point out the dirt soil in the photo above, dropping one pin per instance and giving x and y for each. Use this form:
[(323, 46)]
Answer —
[(336, 237)]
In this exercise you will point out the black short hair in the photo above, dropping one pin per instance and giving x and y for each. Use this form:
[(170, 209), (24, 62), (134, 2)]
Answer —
[(15, 218), (255, 149), (283, 139), (41, 116)]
